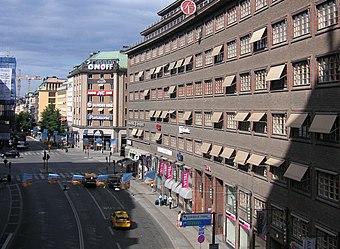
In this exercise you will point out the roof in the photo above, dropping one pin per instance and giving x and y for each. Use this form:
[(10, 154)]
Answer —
[(122, 214), (110, 55)]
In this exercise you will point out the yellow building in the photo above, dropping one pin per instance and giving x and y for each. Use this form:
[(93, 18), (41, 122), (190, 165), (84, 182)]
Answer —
[(61, 101)]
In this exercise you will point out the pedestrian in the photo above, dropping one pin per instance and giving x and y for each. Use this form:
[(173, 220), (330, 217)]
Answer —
[(159, 200), (179, 218), (165, 199), (170, 201)]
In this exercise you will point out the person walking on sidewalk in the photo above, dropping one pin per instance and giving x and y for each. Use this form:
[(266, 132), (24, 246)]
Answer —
[(165, 199), (170, 201), (160, 200)]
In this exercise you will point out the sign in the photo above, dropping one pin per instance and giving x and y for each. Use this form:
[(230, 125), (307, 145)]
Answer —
[(182, 129), (201, 230), (185, 179), (101, 66), (99, 92), (169, 171), (101, 105), (309, 243), (188, 7), (99, 117), (196, 219), (136, 123), (161, 167), (244, 224), (164, 151), (213, 246), (201, 238)]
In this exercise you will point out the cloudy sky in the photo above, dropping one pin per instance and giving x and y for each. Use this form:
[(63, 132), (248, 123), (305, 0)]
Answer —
[(49, 37)]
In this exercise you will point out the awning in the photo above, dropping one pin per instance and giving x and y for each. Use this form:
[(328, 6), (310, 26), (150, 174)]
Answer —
[(157, 113), (296, 120), (171, 111), (100, 109), (140, 74), (158, 69), (205, 147), (171, 89), (168, 183), (133, 132), (186, 193), (146, 92), (257, 35), (151, 113), (216, 150), (174, 186), (178, 188), (157, 136), (323, 123), (241, 116), (152, 70), (274, 162), (227, 152), (296, 171), (228, 81), (89, 109), (172, 65), (110, 109), (179, 63), (164, 114), (275, 72), (241, 157), (187, 115), (216, 117), (139, 133), (216, 50), (255, 159), (256, 116), (187, 60)]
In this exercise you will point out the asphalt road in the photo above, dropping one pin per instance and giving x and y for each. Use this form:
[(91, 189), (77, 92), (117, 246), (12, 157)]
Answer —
[(78, 217)]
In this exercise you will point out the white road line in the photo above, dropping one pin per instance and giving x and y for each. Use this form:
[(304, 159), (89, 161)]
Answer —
[(101, 211), (118, 245), (120, 204), (62, 175), (111, 230)]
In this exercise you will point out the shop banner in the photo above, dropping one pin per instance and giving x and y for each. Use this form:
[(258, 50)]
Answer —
[(168, 171), (185, 179), (161, 168)]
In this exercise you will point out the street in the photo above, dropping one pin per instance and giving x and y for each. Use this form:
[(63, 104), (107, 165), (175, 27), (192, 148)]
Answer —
[(78, 217)]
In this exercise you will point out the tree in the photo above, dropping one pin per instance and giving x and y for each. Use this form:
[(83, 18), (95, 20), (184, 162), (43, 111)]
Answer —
[(50, 120), (24, 122)]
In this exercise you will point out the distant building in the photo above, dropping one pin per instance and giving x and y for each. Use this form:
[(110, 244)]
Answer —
[(99, 101), (69, 93), (61, 101)]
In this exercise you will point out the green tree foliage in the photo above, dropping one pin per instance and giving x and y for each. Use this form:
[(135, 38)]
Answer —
[(24, 121), (50, 120)]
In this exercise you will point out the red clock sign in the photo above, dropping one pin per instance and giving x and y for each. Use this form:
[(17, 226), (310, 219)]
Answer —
[(188, 7)]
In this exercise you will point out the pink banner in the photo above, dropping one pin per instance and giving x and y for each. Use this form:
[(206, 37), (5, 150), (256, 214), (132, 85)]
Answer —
[(185, 179), (161, 168), (168, 171)]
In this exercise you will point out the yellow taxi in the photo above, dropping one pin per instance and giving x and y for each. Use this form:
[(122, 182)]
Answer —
[(120, 219)]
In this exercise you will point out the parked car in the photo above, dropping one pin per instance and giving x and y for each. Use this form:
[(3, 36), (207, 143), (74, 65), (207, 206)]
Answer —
[(11, 153), (120, 219), (22, 145)]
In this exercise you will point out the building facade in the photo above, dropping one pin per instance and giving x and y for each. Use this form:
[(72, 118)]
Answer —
[(99, 101), (236, 108)]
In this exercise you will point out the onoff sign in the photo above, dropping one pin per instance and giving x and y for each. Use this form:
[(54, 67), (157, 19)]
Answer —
[(188, 7)]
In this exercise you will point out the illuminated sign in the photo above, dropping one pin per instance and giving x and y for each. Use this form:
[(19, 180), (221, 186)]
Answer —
[(101, 66), (99, 117), (100, 92)]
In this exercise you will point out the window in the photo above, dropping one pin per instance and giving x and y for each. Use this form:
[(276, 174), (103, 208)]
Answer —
[(305, 183), (89, 98), (190, 36), (325, 239), (198, 118), (327, 14), (260, 126), (197, 148), (259, 39), (231, 122), (166, 140), (218, 86), (245, 8), (278, 172), (328, 185), (279, 124), (136, 95), (301, 24), (328, 69), (153, 94), (278, 217), (208, 87), (260, 79), (232, 15), (199, 34), (198, 88), (207, 119), (231, 49), (258, 206), (303, 131), (208, 57), (181, 143), (333, 136), (181, 90), (173, 117), (299, 228), (245, 45), (259, 4), (101, 98), (182, 41), (279, 32), (173, 141), (245, 82), (220, 56), (189, 89), (209, 27), (219, 22), (167, 47), (174, 44), (198, 60), (301, 73), (244, 200)]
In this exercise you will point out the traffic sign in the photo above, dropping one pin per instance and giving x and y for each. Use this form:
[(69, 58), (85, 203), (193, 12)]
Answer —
[(201, 230), (196, 219), (201, 238), (188, 7)]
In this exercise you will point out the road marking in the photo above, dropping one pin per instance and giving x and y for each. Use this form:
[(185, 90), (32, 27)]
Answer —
[(101, 211), (120, 204), (111, 230), (118, 245), (42, 176)]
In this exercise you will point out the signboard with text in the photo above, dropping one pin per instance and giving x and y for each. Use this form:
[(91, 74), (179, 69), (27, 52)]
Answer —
[(196, 219)]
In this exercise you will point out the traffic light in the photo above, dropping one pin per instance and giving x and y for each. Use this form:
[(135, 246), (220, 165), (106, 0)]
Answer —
[(47, 156)]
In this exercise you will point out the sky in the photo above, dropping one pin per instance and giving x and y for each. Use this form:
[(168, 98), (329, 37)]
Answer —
[(49, 37)]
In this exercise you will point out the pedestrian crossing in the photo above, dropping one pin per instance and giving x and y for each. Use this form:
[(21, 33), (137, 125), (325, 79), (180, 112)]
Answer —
[(37, 153), (44, 176)]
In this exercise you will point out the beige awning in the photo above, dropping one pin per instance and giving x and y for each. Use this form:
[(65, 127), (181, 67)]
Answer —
[(171, 111), (216, 50), (296, 171), (151, 113), (157, 136), (187, 60), (146, 92), (157, 113), (228, 81), (172, 65), (241, 157), (274, 162), (256, 116), (241, 116), (257, 35), (255, 159), (205, 147), (164, 114), (216, 117), (227, 152), (179, 63), (100, 109), (152, 70), (275, 72), (158, 69), (139, 133), (187, 115), (171, 89), (296, 120), (133, 132), (140, 74), (323, 123), (110, 109), (89, 109), (216, 150)]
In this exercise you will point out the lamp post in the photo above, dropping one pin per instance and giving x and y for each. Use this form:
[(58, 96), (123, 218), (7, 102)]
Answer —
[(114, 166), (107, 165)]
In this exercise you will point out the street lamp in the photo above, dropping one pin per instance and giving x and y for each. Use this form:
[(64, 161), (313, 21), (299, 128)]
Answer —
[(114, 166)]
